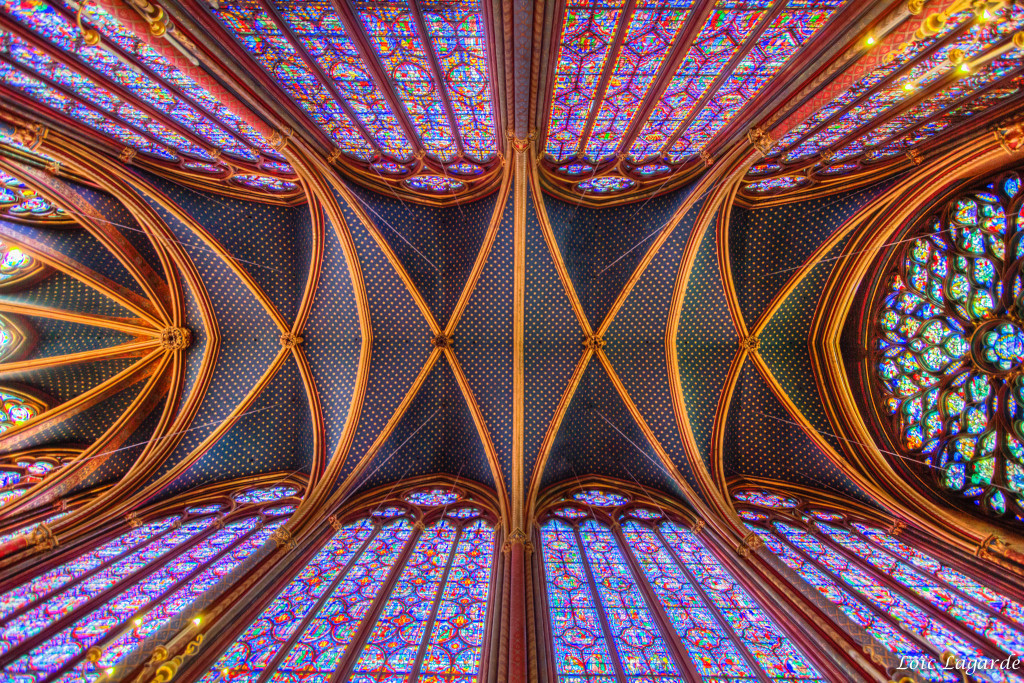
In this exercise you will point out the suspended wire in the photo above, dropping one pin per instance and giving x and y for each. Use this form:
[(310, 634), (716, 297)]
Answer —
[(880, 450), (165, 238), (855, 253), (395, 230)]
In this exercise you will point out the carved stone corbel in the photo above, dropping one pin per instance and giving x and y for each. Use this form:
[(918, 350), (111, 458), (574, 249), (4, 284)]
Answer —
[(42, 538), (750, 543), (593, 342), (282, 538), (761, 140)]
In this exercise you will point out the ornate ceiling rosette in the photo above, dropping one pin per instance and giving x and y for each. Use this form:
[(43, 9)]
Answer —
[(949, 347)]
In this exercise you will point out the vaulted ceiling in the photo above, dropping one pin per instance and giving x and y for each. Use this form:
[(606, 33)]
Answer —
[(517, 243)]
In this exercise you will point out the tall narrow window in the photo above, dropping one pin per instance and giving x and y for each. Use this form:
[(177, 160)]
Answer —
[(76, 620), (918, 607), (400, 592), (634, 595)]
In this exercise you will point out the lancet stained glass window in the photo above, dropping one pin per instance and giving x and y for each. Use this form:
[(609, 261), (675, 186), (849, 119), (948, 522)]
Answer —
[(108, 599), (644, 81), (919, 90), (607, 590), (948, 347), (915, 605), (385, 599)]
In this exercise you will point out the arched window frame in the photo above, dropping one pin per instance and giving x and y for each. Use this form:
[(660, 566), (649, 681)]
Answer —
[(209, 665), (915, 463), (30, 467), (801, 515), (561, 496), (21, 204), (217, 503)]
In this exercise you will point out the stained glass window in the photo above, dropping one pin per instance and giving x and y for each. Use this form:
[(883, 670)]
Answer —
[(17, 266), (649, 601), (20, 471), (18, 201), (14, 337), (636, 80), (18, 407), (108, 599), (948, 345), (143, 95), (903, 102), (383, 82), (430, 625), (913, 604)]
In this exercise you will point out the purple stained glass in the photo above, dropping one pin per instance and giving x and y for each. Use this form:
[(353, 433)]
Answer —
[(790, 30), (279, 510), (458, 37), (54, 579), (609, 184), (58, 28), (652, 28), (262, 182), (435, 184), (325, 639), (454, 650), (571, 513), (389, 511), (203, 167), (63, 648), (752, 516), (600, 498), (726, 30), (977, 39), (1003, 635), (588, 30), (248, 656), (172, 604), (778, 184), (393, 34), (17, 199), (11, 535), (389, 167), (203, 509), (641, 647), (318, 28), (265, 495), (433, 497), (708, 644), (48, 656), (645, 514), (465, 168), (51, 97), (266, 42), (1011, 609), (883, 631), (908, 614), (394, 642), (765, 499), (581, 652), (773, 650)]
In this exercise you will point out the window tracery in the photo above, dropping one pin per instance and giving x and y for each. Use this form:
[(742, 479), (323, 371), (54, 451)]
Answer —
[(609, 63), (19, 202), (20, 471), (968, 66), (399, 592), (76, 620), (915, 605), (948, 347), (632, 593), (18, 406)]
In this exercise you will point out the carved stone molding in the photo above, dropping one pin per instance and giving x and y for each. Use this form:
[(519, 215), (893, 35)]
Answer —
[(31, 136), (517, 537), (761, 140), (42, 538), (127, 155), (897, 527), (280, 138), (751, 343), (698, 526), (282, 538), (750, 543), (335, 524), (132, 518), (991, 547), (442, 341), (289, 340), (175, 338)]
